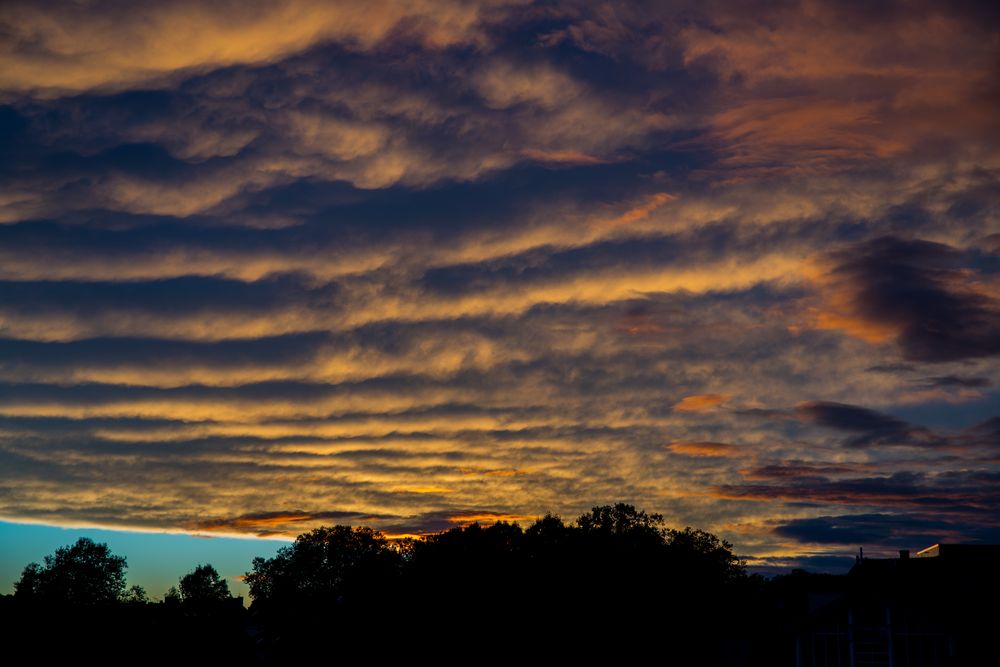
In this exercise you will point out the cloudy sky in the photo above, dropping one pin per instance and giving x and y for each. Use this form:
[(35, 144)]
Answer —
[(269, 266)]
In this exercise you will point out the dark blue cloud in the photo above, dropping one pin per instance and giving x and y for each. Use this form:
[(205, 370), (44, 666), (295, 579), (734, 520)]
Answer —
[(844, 417), (900, 530), (28, 356), (957, 381), (188, 294), (875, 428), (918, 287), (967, 496)]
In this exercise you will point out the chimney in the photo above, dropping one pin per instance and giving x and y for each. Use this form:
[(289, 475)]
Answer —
[(904, 554)]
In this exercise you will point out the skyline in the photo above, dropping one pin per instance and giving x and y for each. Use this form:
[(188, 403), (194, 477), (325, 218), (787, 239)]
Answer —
[(424, 264)]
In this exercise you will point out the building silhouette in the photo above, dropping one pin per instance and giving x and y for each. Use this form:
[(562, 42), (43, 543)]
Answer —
[(938, 607)]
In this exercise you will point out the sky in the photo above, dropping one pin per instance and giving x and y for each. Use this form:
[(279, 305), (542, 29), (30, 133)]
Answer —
[(269, 266)]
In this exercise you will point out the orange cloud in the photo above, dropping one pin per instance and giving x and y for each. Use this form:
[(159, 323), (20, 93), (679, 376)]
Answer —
[(278, 524), (395, 537), (70, 40), (920, 293), (704, 449), (764, 133), (422, 489), (954, 396), (569, 157), (272, 524), (489, 517), (700, 402), (643, 210), (502, 472), (814, 97), (838, 309)]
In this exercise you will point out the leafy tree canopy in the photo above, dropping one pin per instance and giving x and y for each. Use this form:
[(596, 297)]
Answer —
[(327, 563), (135, 595), (203, 585), (86, 573), (620, 519)]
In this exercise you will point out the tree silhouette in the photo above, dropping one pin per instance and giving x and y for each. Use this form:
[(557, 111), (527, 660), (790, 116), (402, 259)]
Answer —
[(469, 565), (172, 598), (337, 577), (616, 572), (704, 555), (621, 519), (327, 565), (135, 595), (203, 585), (86, 573), (622, 529), (30, 583)]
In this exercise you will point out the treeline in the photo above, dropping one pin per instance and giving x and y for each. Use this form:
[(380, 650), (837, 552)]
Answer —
[(615, 582)]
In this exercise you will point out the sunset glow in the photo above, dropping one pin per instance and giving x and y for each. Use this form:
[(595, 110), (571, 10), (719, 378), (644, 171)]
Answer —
[(412, 265)]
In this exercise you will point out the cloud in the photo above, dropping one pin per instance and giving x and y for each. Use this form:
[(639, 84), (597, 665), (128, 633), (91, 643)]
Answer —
[(561, 157), (420, 264), (700, 402), (957, 381), (964, 495), (799, 470), (197, 145), (286, 523), (50, 46), (910, 531), (704, 449), (899, 81), (876, 428), (778, 565), (922, 294)]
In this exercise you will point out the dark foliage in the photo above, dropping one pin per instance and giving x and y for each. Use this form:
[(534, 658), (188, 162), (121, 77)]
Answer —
[(77, 603), (203, 585), (469, 582), (616, 585), (338, 565), (86, 573), (608, 585)]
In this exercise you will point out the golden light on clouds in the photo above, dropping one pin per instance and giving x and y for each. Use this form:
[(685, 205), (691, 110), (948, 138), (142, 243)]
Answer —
[(700, 402), (704, 449), (421, 264)]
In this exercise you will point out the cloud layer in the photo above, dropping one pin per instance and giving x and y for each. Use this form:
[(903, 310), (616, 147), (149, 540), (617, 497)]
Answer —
[(420, 264)]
